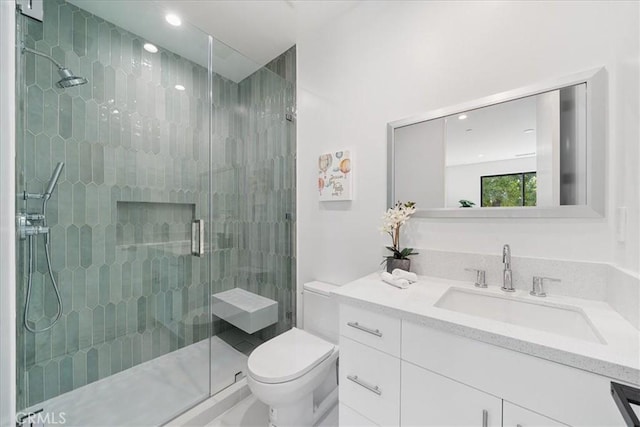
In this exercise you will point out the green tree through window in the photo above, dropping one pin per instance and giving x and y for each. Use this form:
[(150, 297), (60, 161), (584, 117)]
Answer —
[(516, 189)]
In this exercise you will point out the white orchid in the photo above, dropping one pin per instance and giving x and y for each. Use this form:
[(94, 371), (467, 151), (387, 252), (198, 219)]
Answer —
[(393, 219)]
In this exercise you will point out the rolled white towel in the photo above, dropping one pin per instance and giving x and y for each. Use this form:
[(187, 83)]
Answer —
[(402, 274), (394, 281)]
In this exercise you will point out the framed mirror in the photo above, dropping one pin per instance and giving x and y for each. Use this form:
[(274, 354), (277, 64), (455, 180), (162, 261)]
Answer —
[(537, 151)]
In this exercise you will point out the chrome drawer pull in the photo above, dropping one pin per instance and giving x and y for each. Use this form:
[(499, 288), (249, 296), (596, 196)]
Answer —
[(485, 418), (361, 383), (365, 329)]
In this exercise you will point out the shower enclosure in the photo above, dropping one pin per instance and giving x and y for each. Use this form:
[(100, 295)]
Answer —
[(156, 191)]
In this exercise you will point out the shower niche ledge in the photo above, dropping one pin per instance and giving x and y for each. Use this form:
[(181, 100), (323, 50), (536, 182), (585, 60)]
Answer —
[(245, 310), (154, 225)]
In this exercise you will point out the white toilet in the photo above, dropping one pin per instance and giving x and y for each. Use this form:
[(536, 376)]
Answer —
[(295, 373)]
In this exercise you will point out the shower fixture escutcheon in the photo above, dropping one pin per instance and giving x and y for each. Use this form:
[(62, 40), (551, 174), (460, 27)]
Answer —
[(26, 227)]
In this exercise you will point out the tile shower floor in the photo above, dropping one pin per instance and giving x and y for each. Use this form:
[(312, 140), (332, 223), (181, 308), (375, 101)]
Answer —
[(151, 393)]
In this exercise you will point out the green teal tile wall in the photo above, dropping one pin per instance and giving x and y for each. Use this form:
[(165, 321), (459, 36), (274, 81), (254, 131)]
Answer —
[(266, 160), (119, 146), (136, 172)]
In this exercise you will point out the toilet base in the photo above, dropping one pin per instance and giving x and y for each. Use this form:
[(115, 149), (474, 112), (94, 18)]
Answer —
[(294, 414)]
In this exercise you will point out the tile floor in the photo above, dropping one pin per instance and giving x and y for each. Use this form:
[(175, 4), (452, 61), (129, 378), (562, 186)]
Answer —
[(250, 412)]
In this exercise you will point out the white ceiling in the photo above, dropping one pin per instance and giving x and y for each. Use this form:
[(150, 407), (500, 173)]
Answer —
[(259, 29), (256, 30), (492, 133)]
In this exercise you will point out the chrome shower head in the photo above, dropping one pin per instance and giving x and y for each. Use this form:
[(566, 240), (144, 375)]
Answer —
[(53, 181), (69, 79)]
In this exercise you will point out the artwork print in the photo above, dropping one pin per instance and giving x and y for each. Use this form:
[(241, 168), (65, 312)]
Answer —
[(335, 176)]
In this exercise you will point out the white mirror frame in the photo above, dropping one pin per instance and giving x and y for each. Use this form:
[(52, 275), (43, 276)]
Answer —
[(596, 143)]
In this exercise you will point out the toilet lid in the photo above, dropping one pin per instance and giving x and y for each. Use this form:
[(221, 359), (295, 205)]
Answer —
[(288, 356)]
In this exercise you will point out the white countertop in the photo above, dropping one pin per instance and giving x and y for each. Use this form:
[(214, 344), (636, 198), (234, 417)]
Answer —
[(619, 358)]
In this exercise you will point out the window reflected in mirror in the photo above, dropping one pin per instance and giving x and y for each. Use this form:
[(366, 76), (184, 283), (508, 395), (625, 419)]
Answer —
[(509, 190)]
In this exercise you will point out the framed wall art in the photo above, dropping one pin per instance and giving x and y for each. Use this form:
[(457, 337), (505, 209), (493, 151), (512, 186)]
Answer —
[(335, 176)]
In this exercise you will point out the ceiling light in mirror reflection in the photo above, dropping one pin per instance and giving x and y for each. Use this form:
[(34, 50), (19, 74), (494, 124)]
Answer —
[(173, 19), (150, 48), (179, 87), (497, 133)]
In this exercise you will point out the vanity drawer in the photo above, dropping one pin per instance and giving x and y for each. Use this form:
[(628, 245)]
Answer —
[(350, 418), (370, 382), (373, 329)]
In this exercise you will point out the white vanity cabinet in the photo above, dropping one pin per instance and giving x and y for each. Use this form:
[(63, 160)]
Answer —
[(397, 372), (559, 392), (516, 416), (369, 367), (429, 399)]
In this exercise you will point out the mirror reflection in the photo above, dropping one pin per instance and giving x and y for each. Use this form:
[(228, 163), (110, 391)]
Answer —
[(529, 152)]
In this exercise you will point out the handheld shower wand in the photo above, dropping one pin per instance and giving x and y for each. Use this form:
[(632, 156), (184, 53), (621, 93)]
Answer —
[(53, 181), (43, 230)]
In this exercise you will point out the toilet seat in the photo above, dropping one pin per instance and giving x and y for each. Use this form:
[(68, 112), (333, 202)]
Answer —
[(288, 356)]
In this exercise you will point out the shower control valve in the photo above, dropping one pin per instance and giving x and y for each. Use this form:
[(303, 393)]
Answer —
[(26, 228)]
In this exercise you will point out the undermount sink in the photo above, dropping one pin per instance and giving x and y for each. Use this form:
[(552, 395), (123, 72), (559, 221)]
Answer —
[(556, 319)]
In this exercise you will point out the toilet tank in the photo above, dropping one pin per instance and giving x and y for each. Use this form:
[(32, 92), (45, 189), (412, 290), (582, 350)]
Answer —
[(320, 311)]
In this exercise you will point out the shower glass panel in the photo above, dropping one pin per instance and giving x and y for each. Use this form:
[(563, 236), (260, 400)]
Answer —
[(157, 313), (253, 202), (130, 145)]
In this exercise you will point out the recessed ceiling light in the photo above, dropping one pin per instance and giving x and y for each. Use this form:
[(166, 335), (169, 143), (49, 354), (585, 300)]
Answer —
[(150, 48), (173, 19), (462, 116), (179, 87), (529, 130)]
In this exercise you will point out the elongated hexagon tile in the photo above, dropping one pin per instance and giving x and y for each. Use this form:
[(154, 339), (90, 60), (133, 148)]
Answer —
[(79, 33), (35, 112), (92, 287), (73, 248)]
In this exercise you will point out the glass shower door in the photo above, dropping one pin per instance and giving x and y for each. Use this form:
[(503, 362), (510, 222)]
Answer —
[(120, 233), (253, 201)]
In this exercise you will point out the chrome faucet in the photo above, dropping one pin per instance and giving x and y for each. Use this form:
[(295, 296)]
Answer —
[(507, 279)]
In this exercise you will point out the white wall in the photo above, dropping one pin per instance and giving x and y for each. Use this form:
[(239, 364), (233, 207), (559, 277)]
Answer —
[(7, 216), (388, 60), (463, 181), (420, 150)]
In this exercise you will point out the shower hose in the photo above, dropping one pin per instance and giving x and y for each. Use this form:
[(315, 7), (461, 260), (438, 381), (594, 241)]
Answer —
[(30, 280)]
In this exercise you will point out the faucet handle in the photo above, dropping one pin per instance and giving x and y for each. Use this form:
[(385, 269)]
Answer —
[(480, 277), (538, 285)]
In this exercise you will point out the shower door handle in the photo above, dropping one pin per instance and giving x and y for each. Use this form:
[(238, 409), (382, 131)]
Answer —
[(197, 237)]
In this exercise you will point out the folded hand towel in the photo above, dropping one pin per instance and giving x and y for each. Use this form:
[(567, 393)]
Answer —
[(394, 281), (402, 274)]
